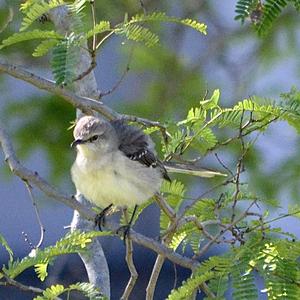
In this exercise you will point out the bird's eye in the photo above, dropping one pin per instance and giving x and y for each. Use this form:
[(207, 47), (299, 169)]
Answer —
[(94, 138)]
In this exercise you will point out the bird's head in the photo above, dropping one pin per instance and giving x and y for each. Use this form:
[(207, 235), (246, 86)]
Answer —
[(93, 136)]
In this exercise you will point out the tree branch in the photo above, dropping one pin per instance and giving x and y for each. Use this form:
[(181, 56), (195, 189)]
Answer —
[(86, 105), (131, 267), (22, 287)]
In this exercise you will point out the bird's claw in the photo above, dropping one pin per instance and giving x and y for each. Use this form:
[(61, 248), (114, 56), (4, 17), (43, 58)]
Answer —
[(125, 229), (100, 218)]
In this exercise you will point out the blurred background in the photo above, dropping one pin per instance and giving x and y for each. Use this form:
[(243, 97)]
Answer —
[(162, 84)]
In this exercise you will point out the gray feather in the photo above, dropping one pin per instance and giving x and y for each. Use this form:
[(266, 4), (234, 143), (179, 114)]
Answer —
[(137, 146)]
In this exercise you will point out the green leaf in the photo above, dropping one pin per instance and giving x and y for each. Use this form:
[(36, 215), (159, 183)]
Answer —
[(177, 240), (173, 192), (41, 270), (36, 10), (204, 140), (294, 210), (271, 10), (212, 102), (74, 242), (244, 8), (162, 17), (195, 115), (44, 47), (65, 57), (4, 243), (51, 293), (101, 27), (30, 35), (189, 286), (88, 290), (138, 33)]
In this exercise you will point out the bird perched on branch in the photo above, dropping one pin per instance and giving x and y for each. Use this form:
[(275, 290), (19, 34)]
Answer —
[(116, 164)]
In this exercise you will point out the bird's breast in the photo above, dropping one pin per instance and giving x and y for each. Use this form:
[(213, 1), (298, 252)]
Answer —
[(119, 181)]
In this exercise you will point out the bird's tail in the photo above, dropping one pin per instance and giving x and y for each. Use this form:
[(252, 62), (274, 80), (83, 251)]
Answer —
[(174, 167)]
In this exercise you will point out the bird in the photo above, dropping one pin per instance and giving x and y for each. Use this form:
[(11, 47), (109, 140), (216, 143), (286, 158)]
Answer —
[(116, 164)]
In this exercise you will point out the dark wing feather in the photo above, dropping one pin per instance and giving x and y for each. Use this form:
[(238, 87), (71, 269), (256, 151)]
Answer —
[(136, 146)]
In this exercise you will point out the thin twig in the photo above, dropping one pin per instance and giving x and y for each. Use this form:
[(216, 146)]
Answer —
[(93, 63), (22, 287), (223, 231), (143, 7), (223, 165), (175, 277), (104, 39), (8, 20), (165, 207), (240, 165), (93, 9), (103, 94), (154, 277), (42, 228), (131, 267), (89, 69), (130, 263)]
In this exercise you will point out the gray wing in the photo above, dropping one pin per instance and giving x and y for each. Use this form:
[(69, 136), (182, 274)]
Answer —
[(137, 146)]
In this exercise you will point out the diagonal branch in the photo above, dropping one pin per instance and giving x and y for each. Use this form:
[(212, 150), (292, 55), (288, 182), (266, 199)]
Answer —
[(87, 105)]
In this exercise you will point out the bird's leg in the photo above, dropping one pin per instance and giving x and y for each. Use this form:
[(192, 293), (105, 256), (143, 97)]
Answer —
[(100, 218), (126, 228)]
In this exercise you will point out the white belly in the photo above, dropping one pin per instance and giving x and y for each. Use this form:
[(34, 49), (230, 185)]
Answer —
[(115, 183)]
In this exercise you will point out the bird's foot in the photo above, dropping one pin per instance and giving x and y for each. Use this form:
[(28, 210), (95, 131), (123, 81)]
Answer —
[(100, 218), (125, 230)]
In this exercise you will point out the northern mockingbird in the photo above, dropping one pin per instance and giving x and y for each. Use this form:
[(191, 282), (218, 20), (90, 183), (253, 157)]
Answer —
[(115, 164)]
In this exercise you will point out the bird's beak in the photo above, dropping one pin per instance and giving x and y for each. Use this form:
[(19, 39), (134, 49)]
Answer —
[(76, 142)]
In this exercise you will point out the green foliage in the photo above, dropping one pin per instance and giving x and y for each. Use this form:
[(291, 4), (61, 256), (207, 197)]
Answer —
[(271, 11), (244, 8), (189, 286), (64, 61), (275, 261), (72, 243), (174, 194), (87, 289), (263, 14), (44, 47), (101, 27), (30, 35), (243, 283), (65, 50), (36, 10), (138, 33), (4, 243), (196, 130), (41, 270), (162, 17)]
